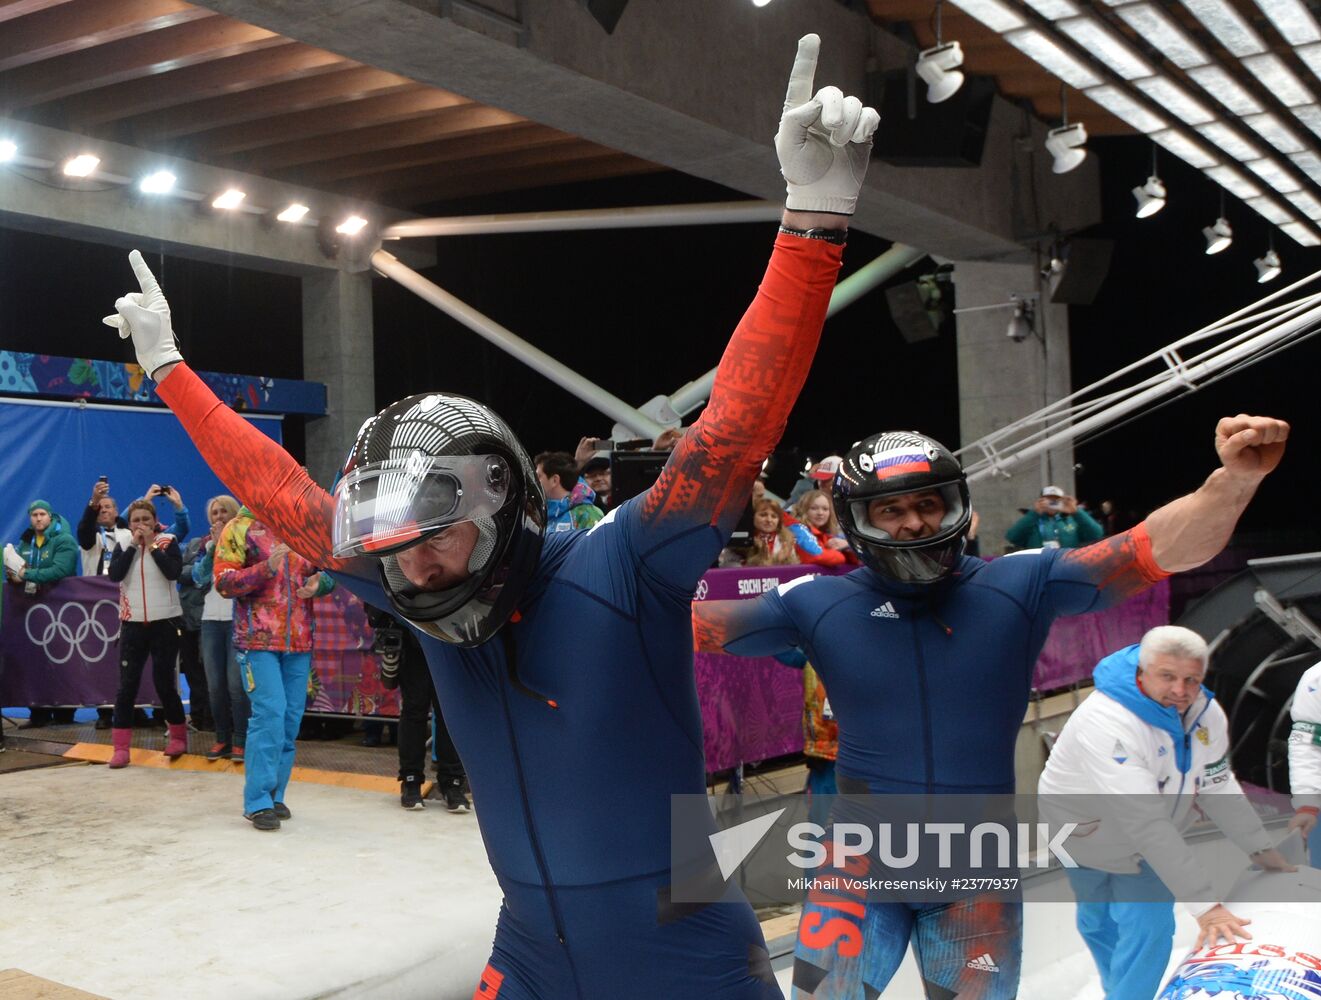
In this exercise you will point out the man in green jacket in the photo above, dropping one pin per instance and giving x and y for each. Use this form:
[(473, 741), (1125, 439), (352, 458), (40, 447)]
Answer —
[(46, 553), (47, 549), (1054, 522)]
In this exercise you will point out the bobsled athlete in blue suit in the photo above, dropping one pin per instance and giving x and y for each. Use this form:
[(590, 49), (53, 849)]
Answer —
[(437, 515), (928, 656)]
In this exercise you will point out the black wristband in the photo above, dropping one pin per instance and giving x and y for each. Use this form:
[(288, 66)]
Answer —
[(836, 236)]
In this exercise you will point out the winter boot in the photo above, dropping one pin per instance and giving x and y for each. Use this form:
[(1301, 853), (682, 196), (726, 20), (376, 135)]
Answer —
[(121, 739), (177, 744)]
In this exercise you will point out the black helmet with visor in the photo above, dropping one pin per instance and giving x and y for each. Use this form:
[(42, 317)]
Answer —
[(893, 464), (425, 464)]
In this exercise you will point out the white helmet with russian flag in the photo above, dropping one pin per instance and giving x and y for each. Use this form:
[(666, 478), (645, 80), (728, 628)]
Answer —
[(892, 464)]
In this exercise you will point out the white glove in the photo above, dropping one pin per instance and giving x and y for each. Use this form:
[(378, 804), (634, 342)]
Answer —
[(145, 316), (13, 561), (824, 142)]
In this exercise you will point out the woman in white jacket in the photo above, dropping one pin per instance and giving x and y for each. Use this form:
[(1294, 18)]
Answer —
[(1305, 759), (150, 623), (1126, 769)]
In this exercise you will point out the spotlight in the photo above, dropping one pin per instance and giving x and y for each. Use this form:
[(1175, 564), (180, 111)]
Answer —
[(160, 182), (1020, 323), (229, 198), (1065, 144), (293, 213), (939, 67), (1218, 236), (1150, 197), (83, 165), (1268, 267), (351, 226), (760, 3), (8, 150)]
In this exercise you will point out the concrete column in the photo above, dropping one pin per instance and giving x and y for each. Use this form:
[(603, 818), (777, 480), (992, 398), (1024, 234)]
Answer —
[(337, 350), (1001, 381)]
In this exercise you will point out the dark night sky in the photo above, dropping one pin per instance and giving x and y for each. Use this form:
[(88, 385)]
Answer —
[(642, 312)]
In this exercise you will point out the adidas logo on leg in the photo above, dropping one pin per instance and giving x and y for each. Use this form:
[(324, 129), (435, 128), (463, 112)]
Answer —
[(983, 963), (886, 610)]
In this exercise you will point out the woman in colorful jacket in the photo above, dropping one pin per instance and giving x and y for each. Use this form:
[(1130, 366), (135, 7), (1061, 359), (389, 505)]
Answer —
[(146, 570), (817, 533), (273, 590)]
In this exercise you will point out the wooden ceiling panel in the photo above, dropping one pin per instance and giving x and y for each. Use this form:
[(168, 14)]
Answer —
[(144, 55), (291, 81), (226, 76), (342, 112), (72, 27), (386, 169), (448, 123), (10, 9)]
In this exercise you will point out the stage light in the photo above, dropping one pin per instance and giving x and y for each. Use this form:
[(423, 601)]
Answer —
[(160, 182), (1065, 145), (293, 213), (1150, 197), (1218, 236), (8, 150), (229, 198), (83, 165), (1268, 267), (760, 3), (351, 226), (939, 68)]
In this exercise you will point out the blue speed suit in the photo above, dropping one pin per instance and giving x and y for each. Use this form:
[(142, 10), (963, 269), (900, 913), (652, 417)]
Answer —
[(572, 790), (929, 685)]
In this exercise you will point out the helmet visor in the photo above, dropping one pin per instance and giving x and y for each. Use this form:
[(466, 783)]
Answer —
[(943, 499), (385, 507)]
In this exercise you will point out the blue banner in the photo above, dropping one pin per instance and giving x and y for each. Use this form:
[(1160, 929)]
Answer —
[(56, 451)]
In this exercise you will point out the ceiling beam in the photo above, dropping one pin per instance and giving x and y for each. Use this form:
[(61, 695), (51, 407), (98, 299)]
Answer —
[(338, 110), (388, 168), (144, 55), (151, 93), (238, 89), (10, 9), (72, 27), (448, 122)]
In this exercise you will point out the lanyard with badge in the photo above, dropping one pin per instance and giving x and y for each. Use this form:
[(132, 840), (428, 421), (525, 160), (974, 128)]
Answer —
[(104, 568)]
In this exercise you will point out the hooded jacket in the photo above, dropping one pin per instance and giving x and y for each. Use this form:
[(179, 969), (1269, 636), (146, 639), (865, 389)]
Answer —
[(573, 512), (1129, 770), (55, 558)]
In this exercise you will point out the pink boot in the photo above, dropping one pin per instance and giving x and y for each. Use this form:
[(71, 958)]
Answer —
[(121, 739), (177, 744)]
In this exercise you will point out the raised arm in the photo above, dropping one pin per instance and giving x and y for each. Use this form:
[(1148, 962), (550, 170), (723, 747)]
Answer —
[(823, 143), (252, 466), (760, 627), (1193, 529)]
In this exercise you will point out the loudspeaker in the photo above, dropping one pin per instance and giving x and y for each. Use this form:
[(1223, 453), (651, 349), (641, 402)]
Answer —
[(1086, 263), (916, 133), (909, 313), (606, 12)]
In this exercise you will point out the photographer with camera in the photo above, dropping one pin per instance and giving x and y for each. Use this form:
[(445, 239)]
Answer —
[(1054, 522), (404, 665)]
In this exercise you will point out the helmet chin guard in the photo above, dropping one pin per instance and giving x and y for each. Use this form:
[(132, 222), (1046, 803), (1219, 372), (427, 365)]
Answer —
[(422, 465), (894, 464)]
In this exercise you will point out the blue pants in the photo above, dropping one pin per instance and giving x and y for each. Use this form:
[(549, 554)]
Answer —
[(224, 682), (1128, 924), (277, 688), (821, 789), (1314, 846)]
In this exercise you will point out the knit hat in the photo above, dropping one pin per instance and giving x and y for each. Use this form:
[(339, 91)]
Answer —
[(40, 505)]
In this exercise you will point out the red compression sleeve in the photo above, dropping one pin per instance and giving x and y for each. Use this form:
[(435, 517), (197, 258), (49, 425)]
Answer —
[(759, 378), (262, 475), (1121, 565)]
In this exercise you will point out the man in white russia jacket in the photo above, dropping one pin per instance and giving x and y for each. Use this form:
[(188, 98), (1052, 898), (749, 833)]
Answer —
[(1128, 768), (1305, 759)]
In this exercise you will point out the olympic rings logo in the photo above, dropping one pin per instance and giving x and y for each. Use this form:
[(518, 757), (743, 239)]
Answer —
[(64, 633), (702, 591)]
